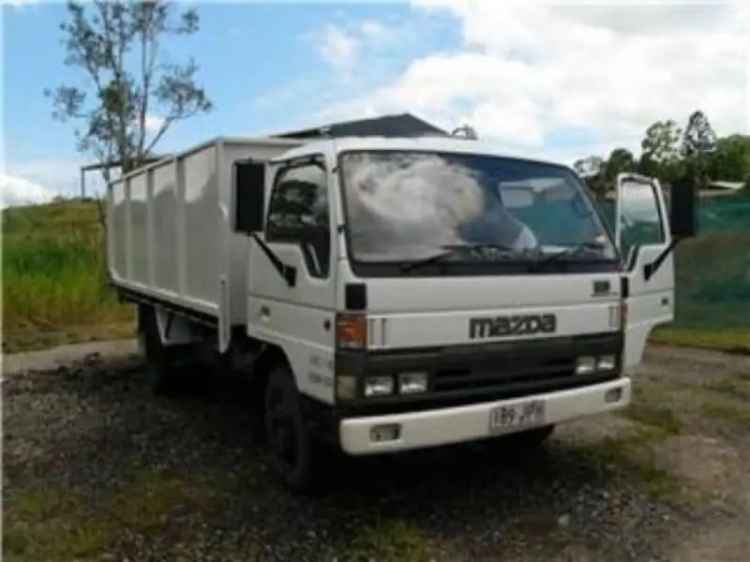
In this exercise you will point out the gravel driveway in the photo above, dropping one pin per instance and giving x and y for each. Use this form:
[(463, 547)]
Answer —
[(96, 468)]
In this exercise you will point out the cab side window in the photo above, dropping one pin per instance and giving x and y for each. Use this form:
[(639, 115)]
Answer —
[(640, 221), (298, 214)]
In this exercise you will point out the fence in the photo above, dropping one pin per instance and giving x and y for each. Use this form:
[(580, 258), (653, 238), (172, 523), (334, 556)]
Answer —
[(713, 269)]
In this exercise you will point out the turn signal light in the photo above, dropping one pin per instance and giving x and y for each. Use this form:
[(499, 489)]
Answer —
[(351, 331)]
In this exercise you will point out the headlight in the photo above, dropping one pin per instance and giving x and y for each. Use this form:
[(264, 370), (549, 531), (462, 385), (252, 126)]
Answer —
[(606, 363), (412, 383), (585, 365), (378, 386)]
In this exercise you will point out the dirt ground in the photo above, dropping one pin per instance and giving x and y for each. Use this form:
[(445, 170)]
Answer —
[(96, 468)]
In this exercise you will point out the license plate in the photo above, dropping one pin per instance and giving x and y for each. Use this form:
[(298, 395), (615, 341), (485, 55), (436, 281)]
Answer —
[(517, 416)]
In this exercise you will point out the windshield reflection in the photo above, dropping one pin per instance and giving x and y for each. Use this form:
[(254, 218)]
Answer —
[(405, 206)]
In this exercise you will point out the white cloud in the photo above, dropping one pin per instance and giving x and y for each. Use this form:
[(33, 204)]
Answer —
[(529, 72), (153, 123), (39, 180), (18, 3), (343, 44), (375, 30), (15, 190), (338, 47)]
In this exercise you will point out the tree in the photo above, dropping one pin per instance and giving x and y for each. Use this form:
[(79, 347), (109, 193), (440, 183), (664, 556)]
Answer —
[(699, 137), (698, 141), (620, 160), (118, 46), (661, 154), (661, 141), (731, 159)]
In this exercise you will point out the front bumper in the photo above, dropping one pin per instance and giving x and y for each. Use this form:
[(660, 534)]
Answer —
[(465, 423)]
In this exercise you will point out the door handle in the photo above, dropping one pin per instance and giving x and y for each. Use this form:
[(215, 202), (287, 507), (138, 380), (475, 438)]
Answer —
[(265, 312)]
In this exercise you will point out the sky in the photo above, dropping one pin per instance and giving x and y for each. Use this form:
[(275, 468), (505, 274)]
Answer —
[(557, 80)]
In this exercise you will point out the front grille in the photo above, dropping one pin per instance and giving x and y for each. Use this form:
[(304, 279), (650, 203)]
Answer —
[(471, 373), (504, 373)]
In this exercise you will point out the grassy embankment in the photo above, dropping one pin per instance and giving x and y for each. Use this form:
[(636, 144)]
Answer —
[(54, 278), (54, 281)]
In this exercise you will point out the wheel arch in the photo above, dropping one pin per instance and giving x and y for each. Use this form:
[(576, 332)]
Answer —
[(270, 357)]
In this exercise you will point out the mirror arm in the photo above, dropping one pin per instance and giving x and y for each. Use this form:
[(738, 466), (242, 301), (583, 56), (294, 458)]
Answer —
[(651, 268), (288, 272)]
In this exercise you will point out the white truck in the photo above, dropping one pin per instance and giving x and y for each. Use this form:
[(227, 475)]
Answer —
[(390, 293)]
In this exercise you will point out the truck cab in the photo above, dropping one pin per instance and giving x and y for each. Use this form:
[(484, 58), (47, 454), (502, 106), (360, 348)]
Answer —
[(417, 292)]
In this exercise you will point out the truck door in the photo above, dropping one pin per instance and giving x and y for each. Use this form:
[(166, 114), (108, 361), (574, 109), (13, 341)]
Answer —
[(643, 237), (291, 299)]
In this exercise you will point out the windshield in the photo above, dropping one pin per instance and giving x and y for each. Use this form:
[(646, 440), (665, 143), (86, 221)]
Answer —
[(410, 206)]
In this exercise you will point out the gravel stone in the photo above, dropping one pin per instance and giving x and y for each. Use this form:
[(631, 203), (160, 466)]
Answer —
[(184, 478)]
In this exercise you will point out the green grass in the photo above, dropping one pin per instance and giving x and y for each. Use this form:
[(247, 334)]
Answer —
[(732, 413), (388, 540), (54, 277), (734, 386), (54, 524), (152, 495), (726, 339), (630, 454), (653, 408), (653, 413)]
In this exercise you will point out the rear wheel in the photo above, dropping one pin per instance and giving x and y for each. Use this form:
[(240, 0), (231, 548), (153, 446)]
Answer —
[(292, 446)]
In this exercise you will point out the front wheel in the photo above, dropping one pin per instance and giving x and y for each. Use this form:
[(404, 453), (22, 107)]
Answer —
[(292, 446)]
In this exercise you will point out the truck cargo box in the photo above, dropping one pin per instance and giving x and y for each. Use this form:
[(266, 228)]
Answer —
[(170, 230)]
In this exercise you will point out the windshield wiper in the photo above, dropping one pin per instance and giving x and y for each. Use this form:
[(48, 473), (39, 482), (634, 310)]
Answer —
[(452, 249), (478, 246), (572, 251)]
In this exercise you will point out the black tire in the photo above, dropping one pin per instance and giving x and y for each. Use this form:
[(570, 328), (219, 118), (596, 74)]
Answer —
[(531, 438), (162, 371), (293, 449)]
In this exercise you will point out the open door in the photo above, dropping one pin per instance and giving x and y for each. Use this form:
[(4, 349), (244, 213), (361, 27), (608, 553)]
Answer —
[(642, 231)]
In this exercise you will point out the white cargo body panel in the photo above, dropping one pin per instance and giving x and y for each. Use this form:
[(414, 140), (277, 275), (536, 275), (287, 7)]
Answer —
[(171, 228)]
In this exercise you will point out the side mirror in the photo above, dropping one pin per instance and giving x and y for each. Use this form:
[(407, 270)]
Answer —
[(249, 195), (683, 217)]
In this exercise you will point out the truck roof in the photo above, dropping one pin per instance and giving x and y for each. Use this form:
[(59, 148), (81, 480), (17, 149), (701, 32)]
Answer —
[(403, 125), (303, 147), (427, 144)]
